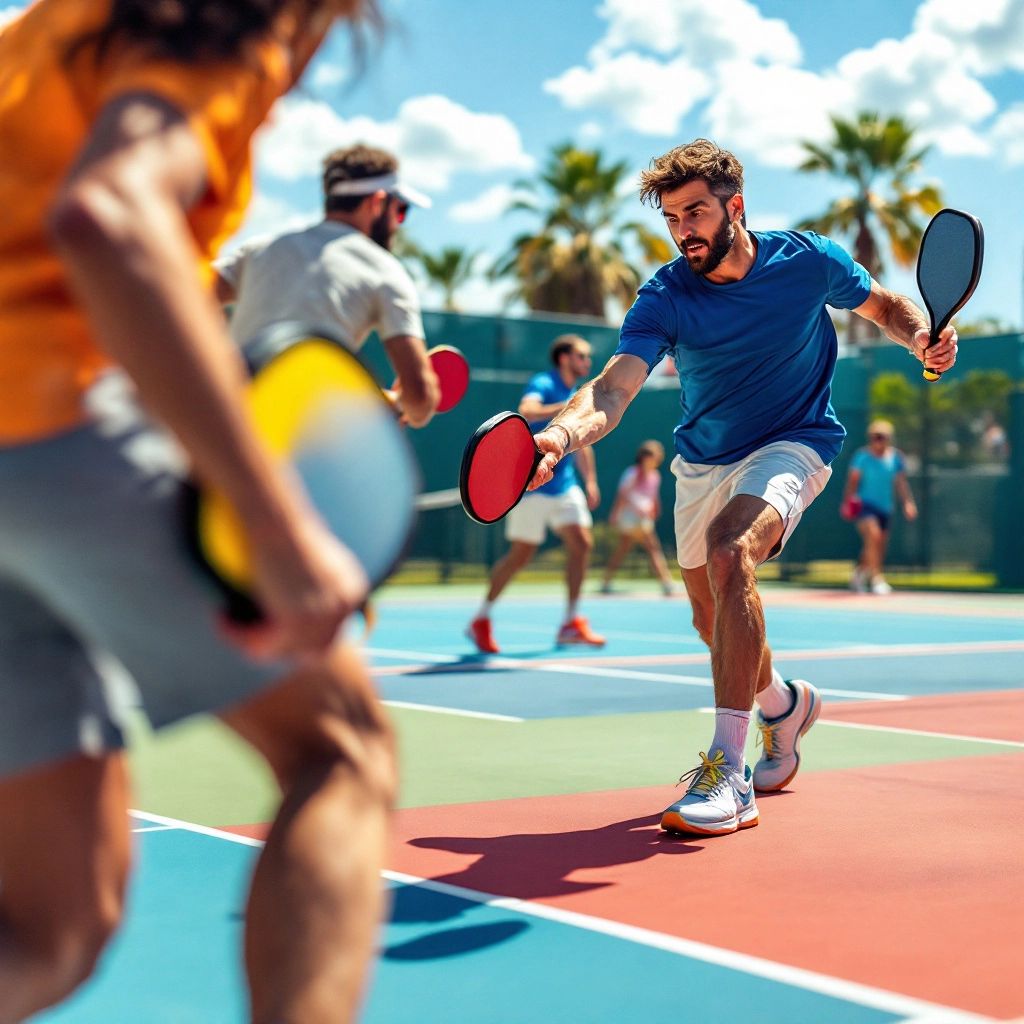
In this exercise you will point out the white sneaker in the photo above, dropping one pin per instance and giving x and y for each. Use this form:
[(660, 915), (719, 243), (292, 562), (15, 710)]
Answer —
[(780, 738), (879, 586), (718, 800)]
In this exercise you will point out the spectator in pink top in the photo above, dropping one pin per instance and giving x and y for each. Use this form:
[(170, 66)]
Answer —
[(636, 510)]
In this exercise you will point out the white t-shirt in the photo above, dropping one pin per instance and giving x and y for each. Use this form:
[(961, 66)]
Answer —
[(329, 274)]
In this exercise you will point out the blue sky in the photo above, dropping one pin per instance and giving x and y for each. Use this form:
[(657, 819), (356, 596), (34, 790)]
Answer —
[(472, 96)]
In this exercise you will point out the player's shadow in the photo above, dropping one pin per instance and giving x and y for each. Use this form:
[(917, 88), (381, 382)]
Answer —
[(526, 866), (536, 865)]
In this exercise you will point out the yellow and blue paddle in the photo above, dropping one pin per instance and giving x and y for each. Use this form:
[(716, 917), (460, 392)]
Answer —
[(316, 406)]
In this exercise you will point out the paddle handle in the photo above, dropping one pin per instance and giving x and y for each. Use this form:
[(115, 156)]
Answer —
[(929, 374)]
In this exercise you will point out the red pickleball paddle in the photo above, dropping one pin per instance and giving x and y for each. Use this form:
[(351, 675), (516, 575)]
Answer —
[(497, 464)]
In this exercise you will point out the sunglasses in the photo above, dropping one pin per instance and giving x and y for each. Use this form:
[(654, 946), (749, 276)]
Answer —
[(878, 437), (401, 210)]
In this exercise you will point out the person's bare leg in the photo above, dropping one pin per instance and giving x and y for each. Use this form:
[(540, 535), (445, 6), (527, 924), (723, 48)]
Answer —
[(616, 557), (316, 900), (657, 558), (517, 557), (65, 856), (740, 537), (871, 552), (702, 604), (578, 544)]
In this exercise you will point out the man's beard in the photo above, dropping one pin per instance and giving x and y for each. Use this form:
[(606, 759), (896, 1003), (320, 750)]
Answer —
[(718, 248), (380, 231)]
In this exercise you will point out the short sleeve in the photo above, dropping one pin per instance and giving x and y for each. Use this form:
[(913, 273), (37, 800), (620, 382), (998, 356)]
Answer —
[(538, 387), (232, 265), (399, 312), (224, 103), (859, 458), (848, 284), (649, 327), (899, 463), (627, 478)]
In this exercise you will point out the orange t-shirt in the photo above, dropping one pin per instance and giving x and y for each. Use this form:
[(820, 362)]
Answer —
[(48, 102)]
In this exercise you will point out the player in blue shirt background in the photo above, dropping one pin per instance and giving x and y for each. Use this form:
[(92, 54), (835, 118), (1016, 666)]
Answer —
[(560, 505), (744, 316), (877, 472)]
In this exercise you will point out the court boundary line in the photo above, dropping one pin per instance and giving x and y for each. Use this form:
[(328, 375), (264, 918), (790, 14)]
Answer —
[(915, 1011), (421, 659)]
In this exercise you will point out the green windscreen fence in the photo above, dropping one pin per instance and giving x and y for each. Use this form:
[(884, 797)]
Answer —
[(963, 437)]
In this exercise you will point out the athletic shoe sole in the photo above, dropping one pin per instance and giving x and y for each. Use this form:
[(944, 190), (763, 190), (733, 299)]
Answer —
[(673, 821), (812, 716)]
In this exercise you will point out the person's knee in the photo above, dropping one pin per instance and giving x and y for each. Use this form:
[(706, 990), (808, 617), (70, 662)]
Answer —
[(730, 560), (324, 718), (579, 540)]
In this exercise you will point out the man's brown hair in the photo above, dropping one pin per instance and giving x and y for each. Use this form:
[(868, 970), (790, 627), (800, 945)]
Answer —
[(700, 160), (562, 344), (351, 164)]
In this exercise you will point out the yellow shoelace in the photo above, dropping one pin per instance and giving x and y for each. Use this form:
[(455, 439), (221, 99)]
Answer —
[(707, 775), (766, 738)]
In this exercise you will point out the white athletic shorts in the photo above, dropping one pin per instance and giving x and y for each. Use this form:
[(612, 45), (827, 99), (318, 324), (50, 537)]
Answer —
[(537, 513), (786, 474)]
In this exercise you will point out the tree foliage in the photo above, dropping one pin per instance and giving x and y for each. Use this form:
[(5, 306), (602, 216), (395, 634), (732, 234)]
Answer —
[(576, 260)]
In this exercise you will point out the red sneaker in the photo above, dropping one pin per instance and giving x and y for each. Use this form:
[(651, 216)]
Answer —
[(578, 631), (479, 632)]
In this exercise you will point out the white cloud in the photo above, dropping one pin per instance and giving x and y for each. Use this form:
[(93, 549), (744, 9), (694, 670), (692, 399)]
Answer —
[(489, 205), (922, 78), (647, 95), (705, 32), (1008, 135), (989, 34), (433, 137), (767, 111), (268, 216)]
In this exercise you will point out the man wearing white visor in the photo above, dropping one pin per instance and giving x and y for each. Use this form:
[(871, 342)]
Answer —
[(340, 273)]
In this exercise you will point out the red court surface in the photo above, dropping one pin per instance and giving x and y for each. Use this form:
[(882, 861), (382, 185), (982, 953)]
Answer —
[(994, 716), (907, 879)]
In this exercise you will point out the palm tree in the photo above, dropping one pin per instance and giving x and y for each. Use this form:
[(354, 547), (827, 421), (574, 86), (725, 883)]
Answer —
[(449, 270), (873, 155), (576, 260)]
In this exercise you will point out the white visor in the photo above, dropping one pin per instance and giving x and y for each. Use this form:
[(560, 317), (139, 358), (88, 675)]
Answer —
[(387, 182)]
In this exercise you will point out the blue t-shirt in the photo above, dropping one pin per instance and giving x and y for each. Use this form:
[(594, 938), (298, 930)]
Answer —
[(548, 388), (877, 475), (756, 356)]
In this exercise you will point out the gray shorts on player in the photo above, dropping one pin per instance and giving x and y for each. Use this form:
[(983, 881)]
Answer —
[(97, 588)]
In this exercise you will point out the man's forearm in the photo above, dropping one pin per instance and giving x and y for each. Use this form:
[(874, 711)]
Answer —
[(901, 320), (594, 411)]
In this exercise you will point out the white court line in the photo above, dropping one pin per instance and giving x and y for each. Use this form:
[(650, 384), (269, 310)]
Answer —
[(153, 828), (904, 732), (918, 1011), (598, 670), (451, 711), (918, 732)]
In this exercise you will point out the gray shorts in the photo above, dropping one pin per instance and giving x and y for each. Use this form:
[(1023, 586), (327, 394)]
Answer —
[(97, 589)]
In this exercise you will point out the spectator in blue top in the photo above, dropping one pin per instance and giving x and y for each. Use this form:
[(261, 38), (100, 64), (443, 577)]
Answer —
[(560, 505), (744, 315), (876, 474)]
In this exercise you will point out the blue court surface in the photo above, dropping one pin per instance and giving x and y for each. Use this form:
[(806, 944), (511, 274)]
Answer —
[(445, 955), (559, 911)]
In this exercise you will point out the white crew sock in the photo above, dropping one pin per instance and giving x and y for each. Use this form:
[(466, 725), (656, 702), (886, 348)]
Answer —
[(731, 735), (571, 610), (775, 699), (485, 609)]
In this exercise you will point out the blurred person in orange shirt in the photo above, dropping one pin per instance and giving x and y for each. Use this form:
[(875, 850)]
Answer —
[(125, 129)]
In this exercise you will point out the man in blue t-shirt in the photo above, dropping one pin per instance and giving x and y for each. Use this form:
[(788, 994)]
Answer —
[(876, 474), (743, 314), (559, 505)]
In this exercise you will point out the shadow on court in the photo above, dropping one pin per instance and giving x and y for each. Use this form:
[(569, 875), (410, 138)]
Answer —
[(539, 865)]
